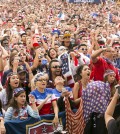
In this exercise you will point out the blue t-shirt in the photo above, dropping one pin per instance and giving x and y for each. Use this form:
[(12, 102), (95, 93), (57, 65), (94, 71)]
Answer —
[(58, 93)]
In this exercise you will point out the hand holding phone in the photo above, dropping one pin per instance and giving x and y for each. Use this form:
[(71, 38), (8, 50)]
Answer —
[(118, 88), (64, 90)]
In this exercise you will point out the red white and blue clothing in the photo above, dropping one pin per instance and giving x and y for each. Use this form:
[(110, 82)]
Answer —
[(100, 67), (12, 114), (40, 97)]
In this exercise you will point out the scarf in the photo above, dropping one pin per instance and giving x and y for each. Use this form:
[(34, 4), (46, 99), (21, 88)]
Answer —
[(96, 98)]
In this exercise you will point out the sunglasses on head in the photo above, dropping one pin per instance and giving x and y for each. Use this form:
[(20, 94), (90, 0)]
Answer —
[(56, 67)]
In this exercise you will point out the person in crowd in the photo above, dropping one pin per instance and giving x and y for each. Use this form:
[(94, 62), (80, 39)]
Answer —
[(52, 53), (112, 124), (45, 99), (66, 40), (61, 91), (83, 78), (19, 109), (103, 63), (13, 61), (110, 77), (116, 46), (11, 83), (54, 71)]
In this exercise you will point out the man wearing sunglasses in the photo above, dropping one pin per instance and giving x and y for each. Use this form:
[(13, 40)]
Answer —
[(54, 71), (83, 50)]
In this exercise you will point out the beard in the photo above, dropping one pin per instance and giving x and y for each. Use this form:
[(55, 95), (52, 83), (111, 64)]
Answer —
[(57, 73)]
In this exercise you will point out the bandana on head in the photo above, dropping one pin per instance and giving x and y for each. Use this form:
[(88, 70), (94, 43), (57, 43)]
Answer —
[(38, 76), (107, 72), (17, 90), (96, 98)]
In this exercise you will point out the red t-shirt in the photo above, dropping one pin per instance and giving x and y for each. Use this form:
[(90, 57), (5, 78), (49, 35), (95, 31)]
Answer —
[(100, 67)]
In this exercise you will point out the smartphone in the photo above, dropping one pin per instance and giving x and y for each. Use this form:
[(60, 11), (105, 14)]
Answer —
[(64, 90), (118, 88)]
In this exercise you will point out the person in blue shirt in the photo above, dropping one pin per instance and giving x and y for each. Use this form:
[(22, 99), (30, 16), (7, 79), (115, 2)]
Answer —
[(60, 92)]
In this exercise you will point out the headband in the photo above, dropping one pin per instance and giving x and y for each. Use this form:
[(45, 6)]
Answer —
[(17, 90), (38, 76), (108, 72)]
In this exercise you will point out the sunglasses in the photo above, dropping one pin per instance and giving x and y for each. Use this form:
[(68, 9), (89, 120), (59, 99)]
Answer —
[(117, 47), (84, 49), (42, 80), (18, 25), (56, 67), (102, 46)]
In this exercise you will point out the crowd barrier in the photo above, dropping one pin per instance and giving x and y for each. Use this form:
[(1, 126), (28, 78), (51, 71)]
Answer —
[(34, 126)]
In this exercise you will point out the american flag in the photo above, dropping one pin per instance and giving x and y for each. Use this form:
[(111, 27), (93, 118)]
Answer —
[(74, 121), (66, 68)]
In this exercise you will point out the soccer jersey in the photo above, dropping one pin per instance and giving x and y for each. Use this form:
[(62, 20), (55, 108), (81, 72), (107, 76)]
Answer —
[(40, 97)]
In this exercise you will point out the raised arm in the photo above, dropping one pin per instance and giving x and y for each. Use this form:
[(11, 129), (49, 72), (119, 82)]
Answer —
[(96, 54), (111, 107)]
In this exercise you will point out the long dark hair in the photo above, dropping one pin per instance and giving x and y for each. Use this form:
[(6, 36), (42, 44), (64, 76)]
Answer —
[(112, 85), (9, 90), (49, 52), (13, 102), (78, 72)]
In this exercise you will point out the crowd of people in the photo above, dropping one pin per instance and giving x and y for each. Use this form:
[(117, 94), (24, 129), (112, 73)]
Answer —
[(56, 56)]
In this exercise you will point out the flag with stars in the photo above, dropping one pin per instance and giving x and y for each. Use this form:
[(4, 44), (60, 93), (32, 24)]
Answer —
[(96, 98), (66, 68)]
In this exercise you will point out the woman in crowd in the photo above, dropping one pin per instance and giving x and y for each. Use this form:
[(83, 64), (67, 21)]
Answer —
[(11, 83), (109, 76), (45, 99), (11, 67), (18, 108), (83, 73), (52, 53)]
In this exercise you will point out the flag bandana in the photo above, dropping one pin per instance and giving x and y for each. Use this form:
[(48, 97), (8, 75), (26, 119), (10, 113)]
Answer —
[(96, 98)]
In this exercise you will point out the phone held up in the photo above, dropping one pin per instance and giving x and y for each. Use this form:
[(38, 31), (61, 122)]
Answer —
[(118, 88)]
